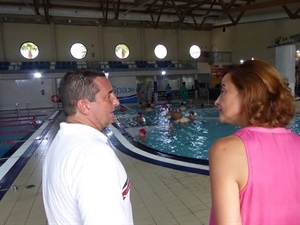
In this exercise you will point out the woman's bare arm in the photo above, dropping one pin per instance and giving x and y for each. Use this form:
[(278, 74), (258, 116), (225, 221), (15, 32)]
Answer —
[(228, 175)]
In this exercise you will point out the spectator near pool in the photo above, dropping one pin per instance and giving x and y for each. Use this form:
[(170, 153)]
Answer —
[(168, 90)]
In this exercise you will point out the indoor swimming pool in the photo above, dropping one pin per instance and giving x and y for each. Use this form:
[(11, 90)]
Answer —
[(191, 140), (15, 129), (21, 134)]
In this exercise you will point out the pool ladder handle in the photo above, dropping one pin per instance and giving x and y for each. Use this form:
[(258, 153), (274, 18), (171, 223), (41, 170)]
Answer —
[(28, 107), (17, 108)]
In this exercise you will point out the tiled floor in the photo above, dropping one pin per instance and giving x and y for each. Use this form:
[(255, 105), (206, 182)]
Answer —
[(159, 195)]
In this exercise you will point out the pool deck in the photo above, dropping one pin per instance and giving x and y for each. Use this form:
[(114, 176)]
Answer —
[(159, 195)]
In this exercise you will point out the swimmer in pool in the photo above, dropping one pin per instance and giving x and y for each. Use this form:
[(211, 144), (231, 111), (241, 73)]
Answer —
[(149, 108), (183, 119), (122, 108), (140, 118), (182, 107), (142, 133), (171, 125), (192, 115)]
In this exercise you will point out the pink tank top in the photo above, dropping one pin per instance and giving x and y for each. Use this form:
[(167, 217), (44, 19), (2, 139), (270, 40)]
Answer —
[(272, 193)]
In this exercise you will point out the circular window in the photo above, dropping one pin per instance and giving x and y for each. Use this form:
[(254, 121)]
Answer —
[(122, 51), (78, 51), (29, 50), (195, 51), (160, 51)]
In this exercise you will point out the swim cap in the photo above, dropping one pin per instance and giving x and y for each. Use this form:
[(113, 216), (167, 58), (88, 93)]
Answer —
[(143, 131)]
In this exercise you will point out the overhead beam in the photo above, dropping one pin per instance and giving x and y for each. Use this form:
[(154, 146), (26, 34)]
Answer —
[(262, 5), (36, 7)]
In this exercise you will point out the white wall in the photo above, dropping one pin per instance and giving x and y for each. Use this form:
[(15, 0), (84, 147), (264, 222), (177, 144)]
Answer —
[(26, 91), (254, 39), (54, 41)]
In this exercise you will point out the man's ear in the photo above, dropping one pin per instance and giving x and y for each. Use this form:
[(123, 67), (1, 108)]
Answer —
[(83, 106)]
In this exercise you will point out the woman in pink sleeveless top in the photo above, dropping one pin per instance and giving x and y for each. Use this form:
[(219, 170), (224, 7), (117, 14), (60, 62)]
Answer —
[(255, 173)]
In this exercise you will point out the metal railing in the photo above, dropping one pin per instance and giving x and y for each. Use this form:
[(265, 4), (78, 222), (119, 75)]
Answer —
[(17, 108)]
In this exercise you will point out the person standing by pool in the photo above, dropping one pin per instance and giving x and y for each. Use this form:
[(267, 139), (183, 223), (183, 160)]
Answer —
[(255, 172), (168, 90), (83, 180), (184, 93)]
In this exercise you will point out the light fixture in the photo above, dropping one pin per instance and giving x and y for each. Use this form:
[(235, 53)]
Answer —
[(163, 72), (37, 75)]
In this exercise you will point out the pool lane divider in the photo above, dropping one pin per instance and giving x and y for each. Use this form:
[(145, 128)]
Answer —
[(18, 125), (25, 116), (123, 142), (16, 120), (11, 168), (15, 132), (10, 142)]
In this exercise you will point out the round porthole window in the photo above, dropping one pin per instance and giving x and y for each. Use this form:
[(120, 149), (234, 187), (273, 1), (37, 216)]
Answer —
[(78, 51), (160, 51), (195, 51), (122, 51), (29, 50)]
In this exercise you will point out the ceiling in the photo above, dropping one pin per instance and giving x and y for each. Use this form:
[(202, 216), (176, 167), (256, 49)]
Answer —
[(158, 14)]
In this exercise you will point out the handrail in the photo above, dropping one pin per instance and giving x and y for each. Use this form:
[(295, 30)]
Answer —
[(17, 108), (28, 107)]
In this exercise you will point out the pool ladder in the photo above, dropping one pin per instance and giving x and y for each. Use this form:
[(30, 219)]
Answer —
[(28, 107), (17, 108)]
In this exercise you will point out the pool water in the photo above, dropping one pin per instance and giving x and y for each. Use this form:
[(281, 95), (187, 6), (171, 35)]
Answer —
[(16, 129), (192, 139)]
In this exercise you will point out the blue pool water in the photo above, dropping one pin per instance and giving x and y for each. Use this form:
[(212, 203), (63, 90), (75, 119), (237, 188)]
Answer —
[(189, 140)]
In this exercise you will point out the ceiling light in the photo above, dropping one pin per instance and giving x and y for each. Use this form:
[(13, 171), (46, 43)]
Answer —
[(37, 75)]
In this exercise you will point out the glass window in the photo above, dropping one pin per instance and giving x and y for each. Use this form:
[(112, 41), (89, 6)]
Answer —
[(160, 51), (122, 51), (195, 51), (78, 51), (29, 50)]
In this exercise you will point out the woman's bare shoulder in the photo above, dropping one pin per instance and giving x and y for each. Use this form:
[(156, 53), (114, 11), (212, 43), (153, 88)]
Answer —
[(228, 156), (230, 143)]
